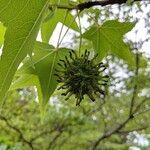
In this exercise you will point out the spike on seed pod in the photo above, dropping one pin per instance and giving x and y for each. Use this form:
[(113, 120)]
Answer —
[(63, 94), (74, 53), (81, 76), (91, 97), (78, 102), (60, 65), (57, 70)]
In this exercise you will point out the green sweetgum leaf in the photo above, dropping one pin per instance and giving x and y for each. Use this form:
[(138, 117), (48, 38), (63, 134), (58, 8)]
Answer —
[(56, 16), (43, 65), (25, 80), (22, 19), (108, 38)]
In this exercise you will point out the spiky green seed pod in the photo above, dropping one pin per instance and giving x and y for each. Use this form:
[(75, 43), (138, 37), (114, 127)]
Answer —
[(81, 76)]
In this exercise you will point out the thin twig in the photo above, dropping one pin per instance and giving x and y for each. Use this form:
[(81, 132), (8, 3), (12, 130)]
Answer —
[(139, 105), (135, 129), (41, 134), (135, 83), (54, 139)]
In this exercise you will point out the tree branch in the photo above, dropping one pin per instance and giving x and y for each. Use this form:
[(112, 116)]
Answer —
[(85, 5), (110, 132), (89, 4), (17, 130), (131, 112), (117, 129)]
